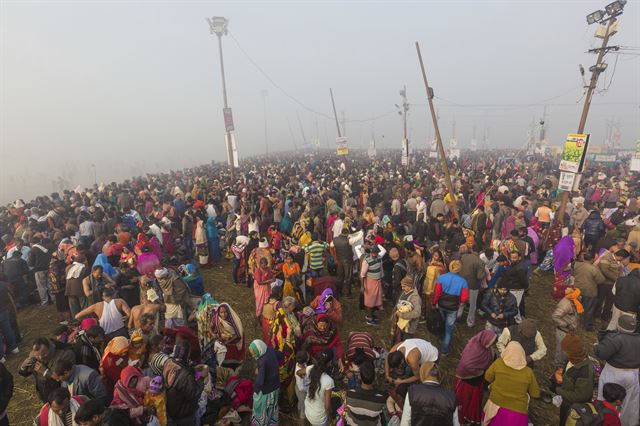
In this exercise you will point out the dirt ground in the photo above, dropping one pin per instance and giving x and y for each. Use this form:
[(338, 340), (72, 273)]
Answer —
[(37, 321)]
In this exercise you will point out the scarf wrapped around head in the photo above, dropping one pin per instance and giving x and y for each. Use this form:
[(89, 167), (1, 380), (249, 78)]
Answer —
[(514, 356), (477, 355), (225, 328), (258, 347), (118, 346), (327, 293), (574, 296), (126, 394)]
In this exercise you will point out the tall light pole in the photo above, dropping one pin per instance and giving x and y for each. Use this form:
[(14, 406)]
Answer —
[(218, 26), (602, 17), (266, 137), (402, 111)]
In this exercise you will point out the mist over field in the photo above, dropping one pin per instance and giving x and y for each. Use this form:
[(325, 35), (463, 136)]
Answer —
[(109, 90)]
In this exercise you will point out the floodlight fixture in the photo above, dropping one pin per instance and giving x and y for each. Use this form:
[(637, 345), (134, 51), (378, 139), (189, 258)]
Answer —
[(218, 25), (616, 7), (596, 16)]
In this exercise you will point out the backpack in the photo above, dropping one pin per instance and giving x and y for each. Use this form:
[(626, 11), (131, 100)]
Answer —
[(584, 414), (435, 323), (587, 414)]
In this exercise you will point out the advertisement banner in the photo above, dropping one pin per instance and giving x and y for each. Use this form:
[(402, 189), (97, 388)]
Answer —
[(575, 148), (343, 150)]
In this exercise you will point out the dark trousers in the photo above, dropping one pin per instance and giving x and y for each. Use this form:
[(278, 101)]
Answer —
[(589, 304), (344, 275), (120, 332), (604, 302), (591, 242), (236, 269)]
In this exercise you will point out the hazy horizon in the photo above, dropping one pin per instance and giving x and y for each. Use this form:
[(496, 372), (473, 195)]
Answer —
[(134, 87)]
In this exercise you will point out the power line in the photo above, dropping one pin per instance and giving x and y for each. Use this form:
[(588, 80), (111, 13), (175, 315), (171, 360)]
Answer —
[(509, 106), (293, 98)]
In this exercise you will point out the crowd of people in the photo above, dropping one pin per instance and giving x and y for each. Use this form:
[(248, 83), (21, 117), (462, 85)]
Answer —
[(144, 339)]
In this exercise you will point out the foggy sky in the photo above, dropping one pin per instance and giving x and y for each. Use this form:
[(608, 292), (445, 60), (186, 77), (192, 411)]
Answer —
[(134, 87)]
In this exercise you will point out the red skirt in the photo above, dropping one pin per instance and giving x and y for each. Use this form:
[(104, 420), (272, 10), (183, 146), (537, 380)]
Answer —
[(469, 396)]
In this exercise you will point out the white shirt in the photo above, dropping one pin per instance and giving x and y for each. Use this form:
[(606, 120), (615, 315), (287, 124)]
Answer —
[(302, 383), (314, 408), (337, 228)]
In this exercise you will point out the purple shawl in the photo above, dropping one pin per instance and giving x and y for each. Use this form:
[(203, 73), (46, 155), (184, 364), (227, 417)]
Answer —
[(563, 253), (321, 309)]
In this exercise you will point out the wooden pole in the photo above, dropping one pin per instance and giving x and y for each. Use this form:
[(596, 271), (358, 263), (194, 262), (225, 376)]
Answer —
[(434, 118)]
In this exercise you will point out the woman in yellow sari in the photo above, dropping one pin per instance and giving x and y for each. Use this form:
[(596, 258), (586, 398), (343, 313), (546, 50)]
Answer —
[(285, 329)]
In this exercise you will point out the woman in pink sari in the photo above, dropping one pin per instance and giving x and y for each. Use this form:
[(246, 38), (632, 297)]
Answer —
[(263, 277)]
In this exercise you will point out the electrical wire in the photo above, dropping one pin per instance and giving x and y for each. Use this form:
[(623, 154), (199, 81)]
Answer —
[(293, 98), (613, 73), (508, 106)]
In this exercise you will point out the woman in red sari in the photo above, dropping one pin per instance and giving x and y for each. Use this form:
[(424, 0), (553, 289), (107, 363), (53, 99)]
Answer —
[(321, 335), (476, 357)]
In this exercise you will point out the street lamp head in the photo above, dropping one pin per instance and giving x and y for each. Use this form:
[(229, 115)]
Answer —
[(218, 25), (596, 16), (616, 7)]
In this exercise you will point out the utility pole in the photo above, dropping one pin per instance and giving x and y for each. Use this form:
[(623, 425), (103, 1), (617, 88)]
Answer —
[(613, 10), (344, 123), (293, 138), (341, 140), (402, 111), (266, 136), (335, 114), (443, 157), (218, 26), (304, 138)]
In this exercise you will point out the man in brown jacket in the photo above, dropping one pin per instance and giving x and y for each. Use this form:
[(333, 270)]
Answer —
[(611, 265), (587, 278)]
